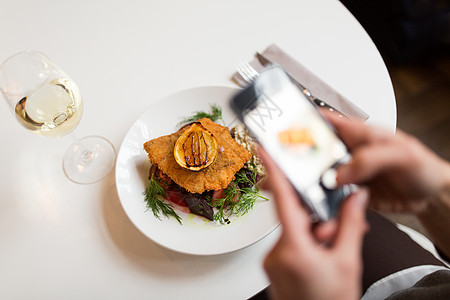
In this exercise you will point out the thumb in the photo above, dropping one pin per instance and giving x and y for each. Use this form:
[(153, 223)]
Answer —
[(352, 224)]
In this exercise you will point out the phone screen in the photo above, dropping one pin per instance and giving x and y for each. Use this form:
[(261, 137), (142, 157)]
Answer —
[(297, 137)]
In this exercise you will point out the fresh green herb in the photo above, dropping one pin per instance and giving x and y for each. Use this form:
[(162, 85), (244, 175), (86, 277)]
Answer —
[(248, 195), (152, 194), (214, 115), (227, 206)]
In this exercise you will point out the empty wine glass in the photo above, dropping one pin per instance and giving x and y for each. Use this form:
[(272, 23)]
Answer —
[(48, 103)]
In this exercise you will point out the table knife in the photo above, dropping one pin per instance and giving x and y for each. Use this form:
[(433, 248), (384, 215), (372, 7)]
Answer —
[(266, 62)]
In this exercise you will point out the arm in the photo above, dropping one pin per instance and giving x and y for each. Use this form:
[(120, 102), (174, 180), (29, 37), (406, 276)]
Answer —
[(436, 219), (402, 174)]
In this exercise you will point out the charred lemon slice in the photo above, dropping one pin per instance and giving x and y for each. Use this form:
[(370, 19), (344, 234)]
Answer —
[(196, 148)]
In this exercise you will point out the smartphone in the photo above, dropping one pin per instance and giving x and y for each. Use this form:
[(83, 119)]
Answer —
[(298, 138)]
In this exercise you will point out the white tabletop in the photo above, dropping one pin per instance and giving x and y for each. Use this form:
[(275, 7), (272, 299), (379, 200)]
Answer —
[(60, 240)]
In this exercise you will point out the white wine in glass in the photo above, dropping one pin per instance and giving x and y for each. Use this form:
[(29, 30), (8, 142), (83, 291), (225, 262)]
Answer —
[(48, 103)]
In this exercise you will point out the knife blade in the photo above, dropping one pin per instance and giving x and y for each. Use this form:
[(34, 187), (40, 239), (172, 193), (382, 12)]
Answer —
[(266, 62)]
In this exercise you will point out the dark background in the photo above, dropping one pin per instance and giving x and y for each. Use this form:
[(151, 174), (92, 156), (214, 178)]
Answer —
[(413, 38), (405, 30)]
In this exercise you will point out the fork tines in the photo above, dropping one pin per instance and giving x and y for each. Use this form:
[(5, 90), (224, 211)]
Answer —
[(247, 72)]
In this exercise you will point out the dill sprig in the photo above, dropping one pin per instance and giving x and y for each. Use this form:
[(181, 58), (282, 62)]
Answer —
[(154, 203), (248, 195), (214, 115), (247, 198)]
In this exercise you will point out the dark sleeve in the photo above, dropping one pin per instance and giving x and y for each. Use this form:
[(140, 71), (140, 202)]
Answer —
[(387, 250), (433, 286)]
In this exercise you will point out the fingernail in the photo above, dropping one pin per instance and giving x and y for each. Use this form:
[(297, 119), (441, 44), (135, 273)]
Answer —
[(362, 197)]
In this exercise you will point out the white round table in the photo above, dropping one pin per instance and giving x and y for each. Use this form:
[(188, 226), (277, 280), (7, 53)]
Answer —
[(60, 240)]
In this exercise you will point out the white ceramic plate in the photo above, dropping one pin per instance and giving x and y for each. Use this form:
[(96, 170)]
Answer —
[(196, 235)]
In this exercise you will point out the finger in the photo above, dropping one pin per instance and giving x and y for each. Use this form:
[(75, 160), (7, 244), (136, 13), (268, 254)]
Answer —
[(264, 184), (293, 216), (352, 224), (369, 161), (354, 132), (325, 232)]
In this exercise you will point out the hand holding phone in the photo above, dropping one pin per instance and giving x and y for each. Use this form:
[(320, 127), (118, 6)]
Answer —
[(300, 141)]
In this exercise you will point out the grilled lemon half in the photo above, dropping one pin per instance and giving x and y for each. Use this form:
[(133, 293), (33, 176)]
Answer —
[(196, 149)]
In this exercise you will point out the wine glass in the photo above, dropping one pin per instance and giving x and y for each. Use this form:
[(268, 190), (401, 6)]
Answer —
[(48, 103)]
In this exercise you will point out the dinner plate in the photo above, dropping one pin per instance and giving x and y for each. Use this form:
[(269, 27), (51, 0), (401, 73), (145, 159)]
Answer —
[(196, 235)]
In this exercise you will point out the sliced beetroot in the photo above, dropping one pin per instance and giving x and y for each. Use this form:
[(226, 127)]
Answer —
[(197, 205)]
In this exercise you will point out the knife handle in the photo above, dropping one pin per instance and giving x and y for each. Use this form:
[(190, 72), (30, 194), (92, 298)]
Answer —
[(314, 100), (321, 103)]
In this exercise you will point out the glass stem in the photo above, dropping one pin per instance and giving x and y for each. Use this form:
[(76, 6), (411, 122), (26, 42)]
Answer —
[(87, 155)]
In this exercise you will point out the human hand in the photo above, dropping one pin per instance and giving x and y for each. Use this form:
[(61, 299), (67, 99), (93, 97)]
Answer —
[(299, 266), (401, 173)]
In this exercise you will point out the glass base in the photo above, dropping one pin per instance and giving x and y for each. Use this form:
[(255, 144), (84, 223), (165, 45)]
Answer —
[(89, 159)]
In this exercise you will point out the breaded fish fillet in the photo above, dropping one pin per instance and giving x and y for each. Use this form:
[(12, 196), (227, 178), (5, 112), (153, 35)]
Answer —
[(230, 159)]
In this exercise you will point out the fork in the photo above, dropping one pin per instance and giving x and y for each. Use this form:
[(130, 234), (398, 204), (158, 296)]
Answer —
[(248, 74)]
